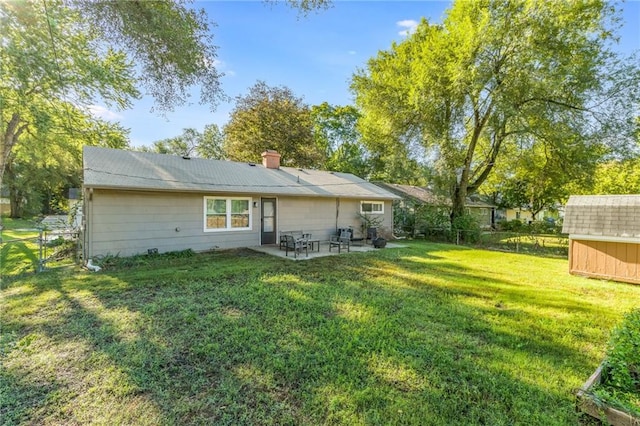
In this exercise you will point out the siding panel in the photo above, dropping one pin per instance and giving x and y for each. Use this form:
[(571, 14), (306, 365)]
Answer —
[(129, 223), (604, 259)]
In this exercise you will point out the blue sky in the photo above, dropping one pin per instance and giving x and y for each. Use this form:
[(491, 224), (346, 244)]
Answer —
[(315, 56)]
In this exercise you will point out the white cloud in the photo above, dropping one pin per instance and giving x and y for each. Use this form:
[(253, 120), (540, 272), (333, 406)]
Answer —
[(223, 67), (104, 113), (352, 52), (409, 26)]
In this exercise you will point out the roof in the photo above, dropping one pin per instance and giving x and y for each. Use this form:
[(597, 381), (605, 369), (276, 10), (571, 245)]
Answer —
[(603, 215), (119, 169), (426, 196)]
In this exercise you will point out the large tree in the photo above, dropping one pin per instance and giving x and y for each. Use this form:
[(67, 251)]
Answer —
[(49, 67), (41, 170), (86, 51), (335, 130), (494, 78), (272, 118)]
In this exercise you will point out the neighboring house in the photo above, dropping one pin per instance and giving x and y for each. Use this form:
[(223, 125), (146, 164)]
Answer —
[(604, 236), (525, 216), (135, 202), (413, 196)]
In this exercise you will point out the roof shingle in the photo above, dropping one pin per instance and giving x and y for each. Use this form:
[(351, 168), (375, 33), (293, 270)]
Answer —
[(603, 215), (119, 169)]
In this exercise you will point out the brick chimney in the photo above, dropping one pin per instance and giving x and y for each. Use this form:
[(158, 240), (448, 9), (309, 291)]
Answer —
[(271, 159)]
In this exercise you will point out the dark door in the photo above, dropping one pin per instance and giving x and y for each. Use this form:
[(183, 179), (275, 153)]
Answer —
[(268, 221)]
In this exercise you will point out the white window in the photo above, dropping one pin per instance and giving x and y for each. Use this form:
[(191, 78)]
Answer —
[(227, 214), (371, 207)]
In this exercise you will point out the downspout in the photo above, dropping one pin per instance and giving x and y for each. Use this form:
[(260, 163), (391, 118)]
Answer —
[(88, 222), (337, 212)]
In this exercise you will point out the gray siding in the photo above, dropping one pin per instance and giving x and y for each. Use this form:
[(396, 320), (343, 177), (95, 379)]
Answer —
[(311, 215), (128, 223), (321, 216)]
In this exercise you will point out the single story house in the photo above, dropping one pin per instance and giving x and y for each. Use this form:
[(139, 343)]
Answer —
[(415, 196), (137, 202), (604, 236)]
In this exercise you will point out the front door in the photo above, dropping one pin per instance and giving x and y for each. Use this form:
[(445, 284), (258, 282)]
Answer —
[(268, 221)]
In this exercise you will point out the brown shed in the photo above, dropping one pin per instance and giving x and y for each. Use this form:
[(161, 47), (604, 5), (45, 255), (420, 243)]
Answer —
[(604, 236)]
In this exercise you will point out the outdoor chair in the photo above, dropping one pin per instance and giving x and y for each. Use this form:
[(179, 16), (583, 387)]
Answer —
[(340, 241), (295, 245)]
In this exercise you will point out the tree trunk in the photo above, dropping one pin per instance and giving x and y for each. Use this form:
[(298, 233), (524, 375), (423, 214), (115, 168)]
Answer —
[(458, 202), (8, 140)]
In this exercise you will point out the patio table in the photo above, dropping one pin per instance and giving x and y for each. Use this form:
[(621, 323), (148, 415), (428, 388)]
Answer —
[(313, 243)]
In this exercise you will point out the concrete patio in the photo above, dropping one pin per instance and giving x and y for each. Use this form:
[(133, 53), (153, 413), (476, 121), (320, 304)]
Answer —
[(323, 251)]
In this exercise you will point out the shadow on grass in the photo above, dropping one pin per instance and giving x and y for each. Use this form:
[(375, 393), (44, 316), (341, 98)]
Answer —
[(227, 339)]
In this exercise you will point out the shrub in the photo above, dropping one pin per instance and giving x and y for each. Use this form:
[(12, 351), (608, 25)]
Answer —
[(621, 371), (468, 227)]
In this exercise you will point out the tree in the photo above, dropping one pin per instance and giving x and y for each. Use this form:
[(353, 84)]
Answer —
[(41, 170), (535, 180), (207, 144), (499, 77), (49, 69), (271, 118), (617, 177), (336, 133), (82, 51)]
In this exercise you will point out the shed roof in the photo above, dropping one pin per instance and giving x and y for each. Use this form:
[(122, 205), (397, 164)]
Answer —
[(119, 169), (603, 215)]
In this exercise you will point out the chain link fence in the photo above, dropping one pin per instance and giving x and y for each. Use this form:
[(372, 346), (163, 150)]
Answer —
[(511, 241), (38, 250)]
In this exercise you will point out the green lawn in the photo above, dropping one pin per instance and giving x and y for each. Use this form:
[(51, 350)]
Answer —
[(18, 246), (428, 334)]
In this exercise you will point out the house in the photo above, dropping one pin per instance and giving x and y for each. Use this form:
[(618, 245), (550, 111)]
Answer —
[(137, 202), (415, 196), (524, 215), (604, 236)]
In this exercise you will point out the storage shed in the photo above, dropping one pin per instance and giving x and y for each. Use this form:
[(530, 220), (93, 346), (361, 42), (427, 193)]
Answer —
[(604, 236)]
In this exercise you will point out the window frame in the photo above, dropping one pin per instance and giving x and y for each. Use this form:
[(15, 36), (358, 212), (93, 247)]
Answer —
[(228, 214), (380, 203)]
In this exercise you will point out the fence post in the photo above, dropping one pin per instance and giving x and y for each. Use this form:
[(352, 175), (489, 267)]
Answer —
[(41, 242), (458, 237)]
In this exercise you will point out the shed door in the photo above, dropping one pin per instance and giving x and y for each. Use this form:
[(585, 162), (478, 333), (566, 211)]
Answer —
[(268, 221)]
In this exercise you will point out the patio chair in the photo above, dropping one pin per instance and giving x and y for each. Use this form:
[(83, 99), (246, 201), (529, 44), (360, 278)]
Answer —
[(295, 245), (340, 241)]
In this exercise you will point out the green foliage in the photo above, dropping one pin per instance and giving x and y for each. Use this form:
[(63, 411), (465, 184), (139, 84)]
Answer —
[(207, 144), (335, 132), (432, 217), (617, 177), (423, 335), (49, 56), (115, 262), (467, 227), (475, 93), (271, 118), (621, 373), (169, 42)]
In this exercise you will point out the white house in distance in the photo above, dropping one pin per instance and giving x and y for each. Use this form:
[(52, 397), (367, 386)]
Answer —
[(136, 201)]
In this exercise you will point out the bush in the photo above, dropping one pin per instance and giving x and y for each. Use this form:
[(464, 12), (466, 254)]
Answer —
[(621, 371), (468, 227)]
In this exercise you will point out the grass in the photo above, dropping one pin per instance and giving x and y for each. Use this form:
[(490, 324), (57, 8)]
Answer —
[(428, 335), (18, 246)]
